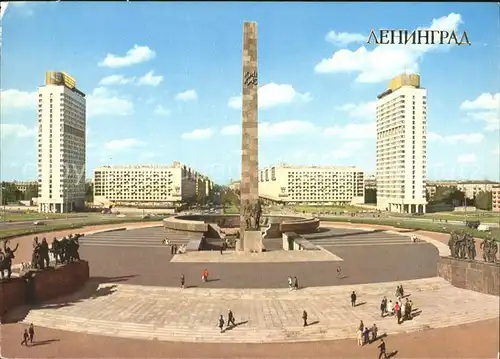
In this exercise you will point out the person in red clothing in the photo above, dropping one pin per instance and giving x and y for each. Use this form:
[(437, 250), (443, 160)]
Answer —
[(397, 309), (204, 276)]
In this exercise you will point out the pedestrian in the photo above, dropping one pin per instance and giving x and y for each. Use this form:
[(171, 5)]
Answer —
[(374, 332), (204, 275), (183, 281), (401, 290), (359, 337), (339, 272), (391, 307), (361, 326), (230, 318), (304, 318), (221, 323), (175, 248), (290, 284), (353, 298), (295, 283), (385, 304), (397, 309), (382, 308), (366, 335), (31, 332), (25, 337), (381, 348)]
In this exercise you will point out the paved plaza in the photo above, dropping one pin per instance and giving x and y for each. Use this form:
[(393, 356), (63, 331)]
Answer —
[(140, 255), (266, 316)]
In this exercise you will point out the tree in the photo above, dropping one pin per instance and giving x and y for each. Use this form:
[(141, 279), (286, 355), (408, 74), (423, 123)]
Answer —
[(448, 195), (31, 192), (483, 200), (10, 193), (228, 197), (370, 195), (200, 198)]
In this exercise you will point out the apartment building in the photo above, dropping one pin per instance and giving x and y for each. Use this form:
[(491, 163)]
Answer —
[(61, 144), (235, 185), (312, 185), (402, 146), (370, 182), (22, 186), (148, 184), (470, 188), (495, 198)]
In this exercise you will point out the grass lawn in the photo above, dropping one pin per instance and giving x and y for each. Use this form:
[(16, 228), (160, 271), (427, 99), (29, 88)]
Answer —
[(33, 216), (484, 217), (6, 232), (231, 210), (317, 209), (416, 225)]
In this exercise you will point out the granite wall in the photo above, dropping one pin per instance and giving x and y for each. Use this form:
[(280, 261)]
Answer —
[(473, 275), (39, 286)]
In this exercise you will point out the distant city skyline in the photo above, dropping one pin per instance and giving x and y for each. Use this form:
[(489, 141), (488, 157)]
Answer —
[(159, 93)]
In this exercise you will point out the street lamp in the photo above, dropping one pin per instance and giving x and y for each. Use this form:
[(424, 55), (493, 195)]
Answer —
[(4, 203)]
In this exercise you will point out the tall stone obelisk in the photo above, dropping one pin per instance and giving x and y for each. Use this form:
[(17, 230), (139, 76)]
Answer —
[(249, 187)]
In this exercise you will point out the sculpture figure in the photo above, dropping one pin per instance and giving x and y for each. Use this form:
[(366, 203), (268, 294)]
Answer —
[(6, 257), (462, 246), (257, 214), (490, 249)]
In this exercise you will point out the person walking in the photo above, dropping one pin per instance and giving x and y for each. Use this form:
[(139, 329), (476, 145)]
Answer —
[(339, 272), (183, 281), (295, 283), (353, 299), (374, 332), (359, 337), (382, 308), (204, 275), (381, 347), (31, 332), (230, 318), (290, 283), (221, 323), (304, 318), (26, 337)]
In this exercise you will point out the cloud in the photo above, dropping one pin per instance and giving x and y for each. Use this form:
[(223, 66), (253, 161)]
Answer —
[(25, 8), (189, 95), (365, 110), (467, 158), (275, 129), (485, 101), (147, 155), (136, 55), (102, 102), (116, 80), (150, 79), (346, 150), (344, 38), (231, 130), (272, 95), (386, 61), (15, 99), (161, 111), (352, 131), (461, 138), (485, 108), (198, 134), (124, 144), (8, 130)]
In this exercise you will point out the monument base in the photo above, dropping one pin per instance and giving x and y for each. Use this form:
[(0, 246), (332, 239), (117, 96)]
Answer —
[(252, 241)]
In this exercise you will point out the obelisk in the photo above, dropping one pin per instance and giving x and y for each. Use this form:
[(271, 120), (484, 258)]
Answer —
[(249, 187)]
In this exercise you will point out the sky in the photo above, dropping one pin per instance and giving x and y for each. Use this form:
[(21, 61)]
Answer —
[(163, 82)]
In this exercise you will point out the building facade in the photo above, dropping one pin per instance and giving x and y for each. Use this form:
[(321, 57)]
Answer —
[(495, 198), (470, 188), (312, 185), (61, 144), (402, 146), (148, 185)]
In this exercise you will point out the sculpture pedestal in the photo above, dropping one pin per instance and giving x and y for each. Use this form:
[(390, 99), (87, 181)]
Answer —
[(252, 241)]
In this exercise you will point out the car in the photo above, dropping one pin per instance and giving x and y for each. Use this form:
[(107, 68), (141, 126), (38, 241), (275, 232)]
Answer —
[(38, 223)]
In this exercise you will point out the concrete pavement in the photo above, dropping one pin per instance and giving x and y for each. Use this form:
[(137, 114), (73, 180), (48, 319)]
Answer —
[(266, 315)]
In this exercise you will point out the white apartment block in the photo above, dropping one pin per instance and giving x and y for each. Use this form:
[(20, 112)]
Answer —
[(402, 146), (61, 144), (312, 185), (148, 184)]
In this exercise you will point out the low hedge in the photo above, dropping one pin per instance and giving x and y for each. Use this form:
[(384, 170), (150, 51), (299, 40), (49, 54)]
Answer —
[(64, 226), (427, 226)]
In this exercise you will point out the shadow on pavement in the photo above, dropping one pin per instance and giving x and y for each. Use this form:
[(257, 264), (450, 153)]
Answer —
[(44, 342), (96, 287)]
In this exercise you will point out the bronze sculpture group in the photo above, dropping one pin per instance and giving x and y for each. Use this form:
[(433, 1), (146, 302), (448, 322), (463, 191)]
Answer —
[(64, 251), (463, 246), (490, 249), (6, 257), (252, 212)]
